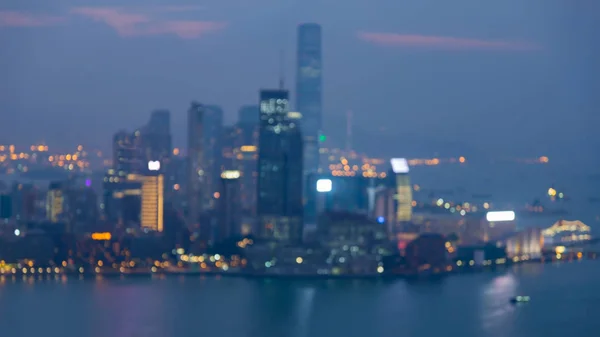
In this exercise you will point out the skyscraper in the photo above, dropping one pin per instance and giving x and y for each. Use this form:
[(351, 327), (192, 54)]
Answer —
[(246, 154), (126, 153), (152, 209), (228, 140), (196, 174), (229, 205), (156, 137), (308, 91), (403, 190), (279, 196), (212, 134)]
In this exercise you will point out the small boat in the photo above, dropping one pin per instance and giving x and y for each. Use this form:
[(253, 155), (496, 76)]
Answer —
[(519, 299)]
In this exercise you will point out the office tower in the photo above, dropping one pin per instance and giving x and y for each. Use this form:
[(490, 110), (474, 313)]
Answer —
[(229, 205), (308, 91), (126, 153), (152, 212), (403, 190), (279, 188), (55, 202), (195, 171), (228, 141), (121, 202), (246, 153), (156, 137), (212, 132)]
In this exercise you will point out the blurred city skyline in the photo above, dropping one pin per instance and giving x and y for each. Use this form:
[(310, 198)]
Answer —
[(461, 78)]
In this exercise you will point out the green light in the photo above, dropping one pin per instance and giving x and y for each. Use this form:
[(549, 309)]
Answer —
[(322, 138)]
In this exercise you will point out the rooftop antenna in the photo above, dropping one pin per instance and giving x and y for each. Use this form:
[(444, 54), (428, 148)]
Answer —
[(281, 76)]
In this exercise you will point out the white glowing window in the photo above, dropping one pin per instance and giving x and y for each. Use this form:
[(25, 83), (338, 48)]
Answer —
[(154, 165), (324, 185), (500, 216)]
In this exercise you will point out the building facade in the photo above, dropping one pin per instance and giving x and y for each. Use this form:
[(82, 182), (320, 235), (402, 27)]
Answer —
[(195, 170), (309, 91), (280, 173)]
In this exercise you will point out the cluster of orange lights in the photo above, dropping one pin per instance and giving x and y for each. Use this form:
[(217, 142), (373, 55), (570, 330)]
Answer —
[(39, 148), (68, 161), (345, 169)]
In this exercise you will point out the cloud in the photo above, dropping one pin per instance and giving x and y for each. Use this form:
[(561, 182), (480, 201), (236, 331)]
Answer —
[(123, 23), (183, 29), (20, 19), (189, 8), (443, 42), (128, 24)]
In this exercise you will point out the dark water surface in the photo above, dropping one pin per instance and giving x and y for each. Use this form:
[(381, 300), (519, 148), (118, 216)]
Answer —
[(565, 302)]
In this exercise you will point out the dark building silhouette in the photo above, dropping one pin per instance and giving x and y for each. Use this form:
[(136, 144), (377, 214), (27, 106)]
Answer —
[(82, 207), (6, 206), (246, 154), (122, 201), (126, 153), (196, 176), (279, 188), (24, 197), (308, 91), (229, 206), (156, 137), (212, 133), (228, 140), (426, 253)]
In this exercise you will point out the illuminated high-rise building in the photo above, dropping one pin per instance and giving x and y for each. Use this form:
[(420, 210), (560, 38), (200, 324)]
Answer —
[(195, 171), (280, 174), (308, 91), (55, 202), (151, 215), (126, 153), (403, 190)]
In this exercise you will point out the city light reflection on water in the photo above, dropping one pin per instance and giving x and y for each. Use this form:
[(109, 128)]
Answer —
[(462, 305), (496, 296)]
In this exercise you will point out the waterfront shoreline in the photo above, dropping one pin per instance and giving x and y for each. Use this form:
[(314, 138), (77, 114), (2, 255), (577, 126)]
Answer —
[(375, 276)]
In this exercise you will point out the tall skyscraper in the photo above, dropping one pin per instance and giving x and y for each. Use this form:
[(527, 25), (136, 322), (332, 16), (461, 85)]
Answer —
[(126, 153), (403, 190), (246, 154), (228, 139), (212, 133), (196, 174), (280, 174), (156, 137), (229, 205), (308, 91), (152, 210)]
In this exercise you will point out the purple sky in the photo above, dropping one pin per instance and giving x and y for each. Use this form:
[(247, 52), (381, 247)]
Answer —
[(475, 76)]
